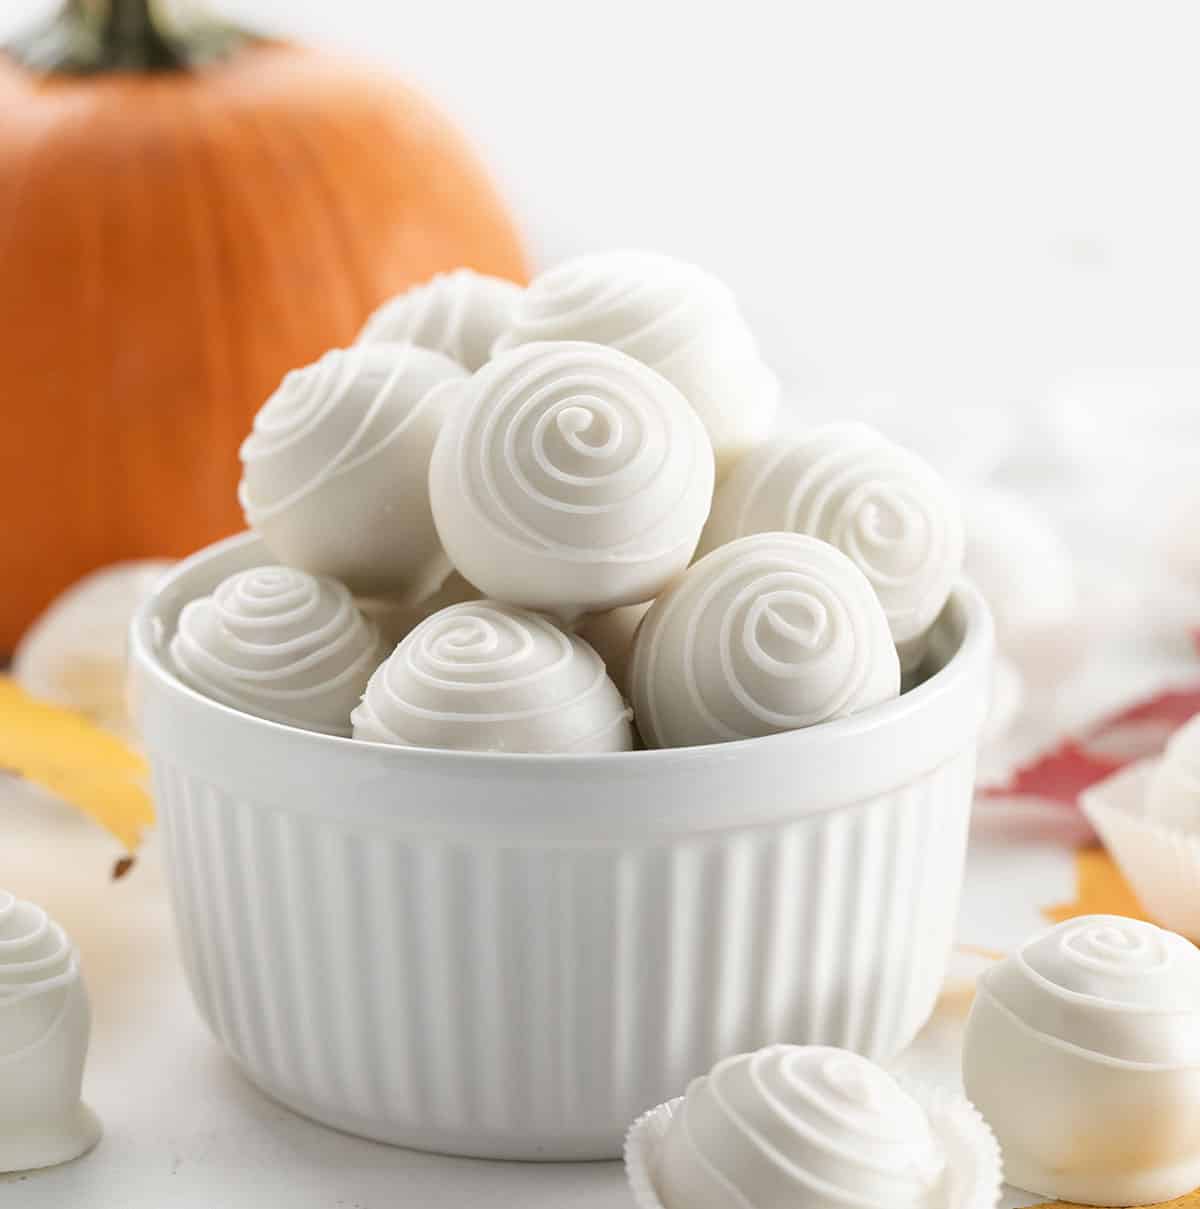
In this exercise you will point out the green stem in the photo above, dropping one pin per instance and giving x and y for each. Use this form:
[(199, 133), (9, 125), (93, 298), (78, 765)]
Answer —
[(89, 36), (131, 39)]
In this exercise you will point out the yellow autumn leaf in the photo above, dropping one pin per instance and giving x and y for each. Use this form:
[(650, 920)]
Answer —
[(77, 761), (1101, 890), (1190, 1201)]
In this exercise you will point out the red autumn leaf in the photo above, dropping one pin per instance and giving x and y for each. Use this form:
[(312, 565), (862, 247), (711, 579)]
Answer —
[(1075, 764), (1060, 775), (1174, 707)]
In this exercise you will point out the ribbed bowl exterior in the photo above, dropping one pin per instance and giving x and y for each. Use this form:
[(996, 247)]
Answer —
[(530, 1001), (514, 956)]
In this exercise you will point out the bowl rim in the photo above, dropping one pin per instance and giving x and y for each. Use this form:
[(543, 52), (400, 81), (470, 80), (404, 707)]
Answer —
[(974, 648)]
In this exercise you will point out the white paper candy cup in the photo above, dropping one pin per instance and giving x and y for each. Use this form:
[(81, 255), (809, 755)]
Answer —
[(1160, 862), (642, 1144), (972, 1153)]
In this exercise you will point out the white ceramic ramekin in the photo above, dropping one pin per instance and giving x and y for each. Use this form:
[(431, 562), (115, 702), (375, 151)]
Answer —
[(514, 955)]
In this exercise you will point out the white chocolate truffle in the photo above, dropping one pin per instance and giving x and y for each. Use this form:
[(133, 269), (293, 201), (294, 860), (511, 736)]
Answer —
[(772, 632), (571, 479), (878, 503), (671, 316), (820, 1128), (335, 472), (611, 634), (74, 654), (397, 619), (1173, 797), (484, 676), (1022, 567), (280, 644), (460, 314), (1083, 1052), (45, 1023)]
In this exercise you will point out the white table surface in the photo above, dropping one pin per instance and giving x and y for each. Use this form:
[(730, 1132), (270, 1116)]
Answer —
[(184, 1130)]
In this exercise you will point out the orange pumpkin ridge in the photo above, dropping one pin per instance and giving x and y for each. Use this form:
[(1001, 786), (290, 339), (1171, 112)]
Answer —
[(172, 243)]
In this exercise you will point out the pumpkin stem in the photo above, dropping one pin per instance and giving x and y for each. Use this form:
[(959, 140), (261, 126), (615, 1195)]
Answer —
[(130, 39), (89, 36)]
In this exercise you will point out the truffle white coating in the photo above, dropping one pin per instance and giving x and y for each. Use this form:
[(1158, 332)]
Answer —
[(397, 619), (612, 634), (281, 644), (820, 1128), (878, 503), (769, 633), (484, 676), (570, 479), (335, 471), (45, 1025), (460, 314), (671, 316), (1082, 1051)]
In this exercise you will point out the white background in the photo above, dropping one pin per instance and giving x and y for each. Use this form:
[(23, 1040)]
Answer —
[(947, 201)]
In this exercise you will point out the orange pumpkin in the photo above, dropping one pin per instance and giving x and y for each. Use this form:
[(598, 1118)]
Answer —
[(173, 238)]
